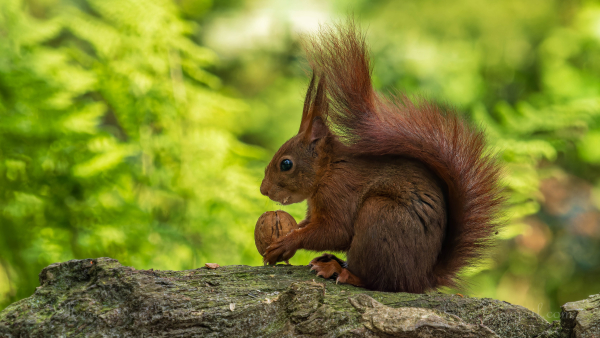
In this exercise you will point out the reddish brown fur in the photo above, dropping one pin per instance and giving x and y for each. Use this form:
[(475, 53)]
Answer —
[(401, 186)]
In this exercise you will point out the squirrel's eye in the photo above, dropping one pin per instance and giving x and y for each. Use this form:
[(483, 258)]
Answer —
[(286, 165)]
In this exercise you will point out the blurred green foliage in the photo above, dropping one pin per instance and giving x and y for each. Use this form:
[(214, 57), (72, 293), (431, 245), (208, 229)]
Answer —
[(115, 141), (140, 130)]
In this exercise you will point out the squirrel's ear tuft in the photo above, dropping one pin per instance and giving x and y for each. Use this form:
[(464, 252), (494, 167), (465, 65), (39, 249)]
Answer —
[(318, 129), (315, 110), (306, 112)]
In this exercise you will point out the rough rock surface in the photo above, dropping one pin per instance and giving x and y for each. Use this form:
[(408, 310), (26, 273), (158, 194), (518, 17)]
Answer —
[(102, 298), (414, 322), (582, 317)]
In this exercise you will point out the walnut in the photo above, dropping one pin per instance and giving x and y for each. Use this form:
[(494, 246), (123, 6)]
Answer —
[(270, 226)]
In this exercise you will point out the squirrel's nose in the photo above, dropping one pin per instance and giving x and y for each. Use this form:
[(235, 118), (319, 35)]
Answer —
[(263, 189)]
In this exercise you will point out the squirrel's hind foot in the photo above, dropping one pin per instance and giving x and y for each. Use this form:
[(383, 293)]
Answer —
[(329, 266)]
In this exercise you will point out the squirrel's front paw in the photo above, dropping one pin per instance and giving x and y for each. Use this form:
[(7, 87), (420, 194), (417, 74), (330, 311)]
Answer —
[(282, 249)]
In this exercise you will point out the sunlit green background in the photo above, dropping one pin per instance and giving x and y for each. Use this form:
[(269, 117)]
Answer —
[(140, 129)]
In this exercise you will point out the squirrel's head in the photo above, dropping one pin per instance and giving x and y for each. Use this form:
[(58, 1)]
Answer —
[(291, 175)]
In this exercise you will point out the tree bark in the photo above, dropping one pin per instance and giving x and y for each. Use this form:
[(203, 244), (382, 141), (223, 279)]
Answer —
[(101, 298)]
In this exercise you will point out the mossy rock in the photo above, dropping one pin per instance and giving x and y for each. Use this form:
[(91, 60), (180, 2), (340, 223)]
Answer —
[(100, 297)]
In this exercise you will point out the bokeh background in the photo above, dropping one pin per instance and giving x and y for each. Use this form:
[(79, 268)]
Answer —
[(140, 129)]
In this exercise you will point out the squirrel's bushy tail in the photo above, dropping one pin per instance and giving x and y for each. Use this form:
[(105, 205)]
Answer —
[(375, 125)]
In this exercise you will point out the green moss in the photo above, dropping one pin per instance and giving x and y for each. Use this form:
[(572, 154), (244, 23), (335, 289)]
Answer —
[(80, 299)]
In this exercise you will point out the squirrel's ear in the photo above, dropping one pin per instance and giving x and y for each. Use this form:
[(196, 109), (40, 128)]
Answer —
[(314, 114), (318, 129), (306, 112)]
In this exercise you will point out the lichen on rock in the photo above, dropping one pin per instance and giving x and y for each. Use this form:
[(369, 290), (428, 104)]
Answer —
[(101, 298), (582, 317)]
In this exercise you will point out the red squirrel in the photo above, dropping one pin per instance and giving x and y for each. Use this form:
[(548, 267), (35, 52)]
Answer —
[(403, 187)]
